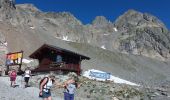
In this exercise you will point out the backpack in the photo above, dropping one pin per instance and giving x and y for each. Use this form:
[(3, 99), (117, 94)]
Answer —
[(42, 81)]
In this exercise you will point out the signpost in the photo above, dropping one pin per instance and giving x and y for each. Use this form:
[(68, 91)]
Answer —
[(13, 59), (101, 75)]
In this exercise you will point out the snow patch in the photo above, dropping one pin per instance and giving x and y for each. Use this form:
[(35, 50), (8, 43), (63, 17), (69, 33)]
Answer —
[(26, 61), (65, 38), (112, 78), (106, 34), (103, 47), (6, 44), (32, 27), (115, 29)]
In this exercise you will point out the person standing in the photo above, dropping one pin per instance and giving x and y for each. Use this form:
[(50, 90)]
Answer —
[(27, 76), (45, 87), (70, 86), (12, 74)]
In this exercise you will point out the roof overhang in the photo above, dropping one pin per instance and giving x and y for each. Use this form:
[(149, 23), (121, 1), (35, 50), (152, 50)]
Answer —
[(58, 49)]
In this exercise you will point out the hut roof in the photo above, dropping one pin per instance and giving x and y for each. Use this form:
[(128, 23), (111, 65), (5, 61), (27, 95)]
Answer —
[(52, 47)]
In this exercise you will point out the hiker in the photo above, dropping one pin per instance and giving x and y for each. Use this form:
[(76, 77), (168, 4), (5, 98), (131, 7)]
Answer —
[(27, 76), (45, 87), (70, 86), (12, 74)]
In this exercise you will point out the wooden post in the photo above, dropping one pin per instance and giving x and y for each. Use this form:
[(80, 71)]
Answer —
[(79, 67), (19, 70), (7, 70)]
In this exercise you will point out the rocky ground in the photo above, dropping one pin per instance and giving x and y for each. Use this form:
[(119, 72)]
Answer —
[(96, 90), (90, 90), (18, 93)]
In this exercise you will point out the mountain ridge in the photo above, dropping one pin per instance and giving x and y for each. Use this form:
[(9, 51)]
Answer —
[(133, 32)]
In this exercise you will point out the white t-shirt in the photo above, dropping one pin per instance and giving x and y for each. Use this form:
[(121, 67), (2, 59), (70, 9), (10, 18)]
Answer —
[(27, 73), (48, 85)]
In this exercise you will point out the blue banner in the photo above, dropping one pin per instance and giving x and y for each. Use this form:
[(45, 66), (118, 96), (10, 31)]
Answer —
[(100, 75)]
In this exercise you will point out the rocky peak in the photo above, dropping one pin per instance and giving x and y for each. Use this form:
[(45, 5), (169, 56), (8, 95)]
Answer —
[(100, 21), (70, 18), (133, 32), (152, 19), (131, 17), (28, 7), (63, 17), (7, 4), (135, 18), (7, 10), (143, 34)]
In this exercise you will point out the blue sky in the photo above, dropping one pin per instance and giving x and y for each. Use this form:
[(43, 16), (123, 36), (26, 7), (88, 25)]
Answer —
[(87, 10)]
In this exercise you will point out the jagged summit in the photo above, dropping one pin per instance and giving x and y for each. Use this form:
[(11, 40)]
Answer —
[(28, 7), (100, 20), (7, 4), (143, 34), (7, 10), (133, 17)]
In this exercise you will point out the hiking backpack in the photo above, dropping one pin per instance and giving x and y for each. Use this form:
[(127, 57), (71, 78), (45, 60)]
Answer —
[(42, 81)]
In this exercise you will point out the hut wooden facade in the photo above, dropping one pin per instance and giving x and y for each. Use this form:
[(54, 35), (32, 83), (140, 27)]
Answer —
[(52, 58)]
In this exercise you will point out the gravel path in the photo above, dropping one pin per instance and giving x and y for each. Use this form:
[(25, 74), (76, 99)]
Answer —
[(18, 93)]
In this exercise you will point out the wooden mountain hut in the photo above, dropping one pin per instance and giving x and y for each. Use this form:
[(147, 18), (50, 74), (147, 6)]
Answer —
[(52, 58)]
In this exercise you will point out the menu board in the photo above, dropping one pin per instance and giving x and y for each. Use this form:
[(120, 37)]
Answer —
[(14, 58)]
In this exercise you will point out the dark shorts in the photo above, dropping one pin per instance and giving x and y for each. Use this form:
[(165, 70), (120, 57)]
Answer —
[(68, 96), (26, 79), (46, 94), (12, 78)]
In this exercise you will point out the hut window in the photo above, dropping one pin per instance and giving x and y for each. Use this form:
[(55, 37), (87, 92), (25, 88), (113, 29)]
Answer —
[(58, 58)]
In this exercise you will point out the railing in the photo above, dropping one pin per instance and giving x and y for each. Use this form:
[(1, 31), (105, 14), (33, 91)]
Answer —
[(72, 66), (58, 66)]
